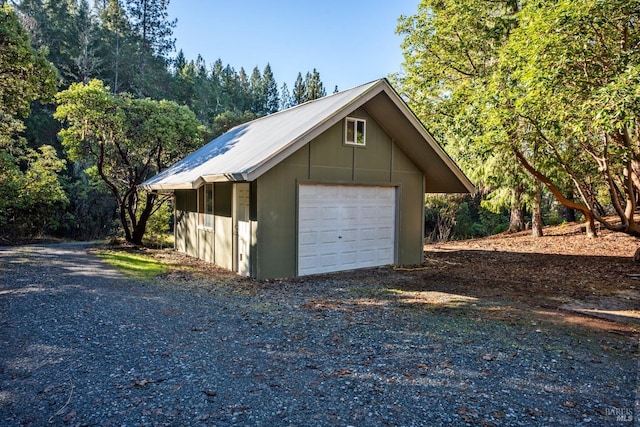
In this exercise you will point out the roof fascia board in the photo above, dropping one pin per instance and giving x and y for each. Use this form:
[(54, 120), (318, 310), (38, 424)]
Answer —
[(169, 187), (410, 115), (226, 177)]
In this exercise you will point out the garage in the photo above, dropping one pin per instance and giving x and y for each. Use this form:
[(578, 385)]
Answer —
[(344, 227), (333, 184)]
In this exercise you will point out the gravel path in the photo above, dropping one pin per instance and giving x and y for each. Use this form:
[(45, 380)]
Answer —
[(82, 345)]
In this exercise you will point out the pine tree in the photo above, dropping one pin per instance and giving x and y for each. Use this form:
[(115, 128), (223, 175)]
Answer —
[(153, 41), (314, 88), (299, 91), (257, 94), (271, 90), (242, 96), (150, 23), (179, 62), (285, 97), (86, 62), (117, 50)]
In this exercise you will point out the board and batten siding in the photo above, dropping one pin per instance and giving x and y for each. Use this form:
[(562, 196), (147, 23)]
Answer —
[(327, 160), (209, 244)]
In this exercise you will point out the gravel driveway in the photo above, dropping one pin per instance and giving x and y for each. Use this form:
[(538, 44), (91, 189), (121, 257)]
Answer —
[(81, 344)]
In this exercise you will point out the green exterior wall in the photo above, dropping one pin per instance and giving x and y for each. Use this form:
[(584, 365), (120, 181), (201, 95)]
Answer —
[(274, 205), (327, 160), (210, 244)]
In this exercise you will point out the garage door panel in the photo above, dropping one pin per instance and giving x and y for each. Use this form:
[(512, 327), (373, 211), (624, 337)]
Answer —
[(327, 260), (308, 214), (308, 238), (349, 213), (384, 233), (345, 227), (329, 236)]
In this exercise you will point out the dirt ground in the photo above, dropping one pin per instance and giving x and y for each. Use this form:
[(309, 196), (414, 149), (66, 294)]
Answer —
[(563, 274), (562, 277)]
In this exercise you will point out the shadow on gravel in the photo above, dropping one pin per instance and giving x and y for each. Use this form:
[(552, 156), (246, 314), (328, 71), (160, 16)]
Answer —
[(442, 344), (593, 292)]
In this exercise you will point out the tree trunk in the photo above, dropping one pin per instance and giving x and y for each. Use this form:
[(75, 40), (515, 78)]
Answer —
[(569, 213), (125, 224), (141, 224), (590, 225), (536, 217), (516, 221)]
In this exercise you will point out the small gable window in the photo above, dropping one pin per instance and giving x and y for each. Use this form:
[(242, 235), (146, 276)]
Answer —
[(355, 131)]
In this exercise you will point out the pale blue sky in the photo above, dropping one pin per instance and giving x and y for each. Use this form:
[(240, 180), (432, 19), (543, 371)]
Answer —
[(350, 42)]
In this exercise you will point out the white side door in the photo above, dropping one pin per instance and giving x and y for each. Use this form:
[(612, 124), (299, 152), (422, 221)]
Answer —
[(242, 238)]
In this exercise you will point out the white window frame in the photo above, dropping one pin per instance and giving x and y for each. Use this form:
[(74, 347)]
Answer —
[(205, 217), (353, 123)]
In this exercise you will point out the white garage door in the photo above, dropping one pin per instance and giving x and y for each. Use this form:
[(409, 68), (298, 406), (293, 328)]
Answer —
[(344, 227)]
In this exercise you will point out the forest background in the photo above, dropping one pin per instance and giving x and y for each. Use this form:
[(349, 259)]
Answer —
[(537, 101)]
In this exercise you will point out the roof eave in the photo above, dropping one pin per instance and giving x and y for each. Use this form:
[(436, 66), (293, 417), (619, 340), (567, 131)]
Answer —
[(417, 124)]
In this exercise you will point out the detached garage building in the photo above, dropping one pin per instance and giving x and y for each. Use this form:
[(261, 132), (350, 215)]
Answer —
[(332, 184)]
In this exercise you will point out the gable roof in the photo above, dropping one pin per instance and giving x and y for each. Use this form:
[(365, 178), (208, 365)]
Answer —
[(249, 150)]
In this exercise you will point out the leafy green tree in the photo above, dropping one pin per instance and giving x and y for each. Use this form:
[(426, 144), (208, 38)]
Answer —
[(29, 184), (228, 120), (451, 51), (125, 141), (26, 76), (570, 86), (553, 84), (42, 196)]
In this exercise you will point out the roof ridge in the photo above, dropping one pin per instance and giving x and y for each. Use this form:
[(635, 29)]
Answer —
[(306, 103)]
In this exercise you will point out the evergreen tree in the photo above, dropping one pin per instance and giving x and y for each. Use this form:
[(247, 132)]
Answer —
[(149, 21), (34, 20), (242, 96), (299, 91), (314, 88), (85, 63), (258, 97), (117, 51), (205, 92), (152, 39), (272, 101), (285, 97)]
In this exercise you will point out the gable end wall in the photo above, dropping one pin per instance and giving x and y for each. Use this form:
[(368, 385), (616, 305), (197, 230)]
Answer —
[(327, 160)]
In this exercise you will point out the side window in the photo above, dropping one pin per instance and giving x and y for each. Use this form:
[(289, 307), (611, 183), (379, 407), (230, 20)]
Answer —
[(355, 131), (208, 205), (205, 206)]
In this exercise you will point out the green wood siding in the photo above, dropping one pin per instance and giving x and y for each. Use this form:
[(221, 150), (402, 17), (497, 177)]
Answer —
[(212, 245), (326, 159), (273, 201)]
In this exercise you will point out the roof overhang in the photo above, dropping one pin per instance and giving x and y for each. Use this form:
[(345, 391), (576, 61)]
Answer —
[(383, 103), (442, 174)]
